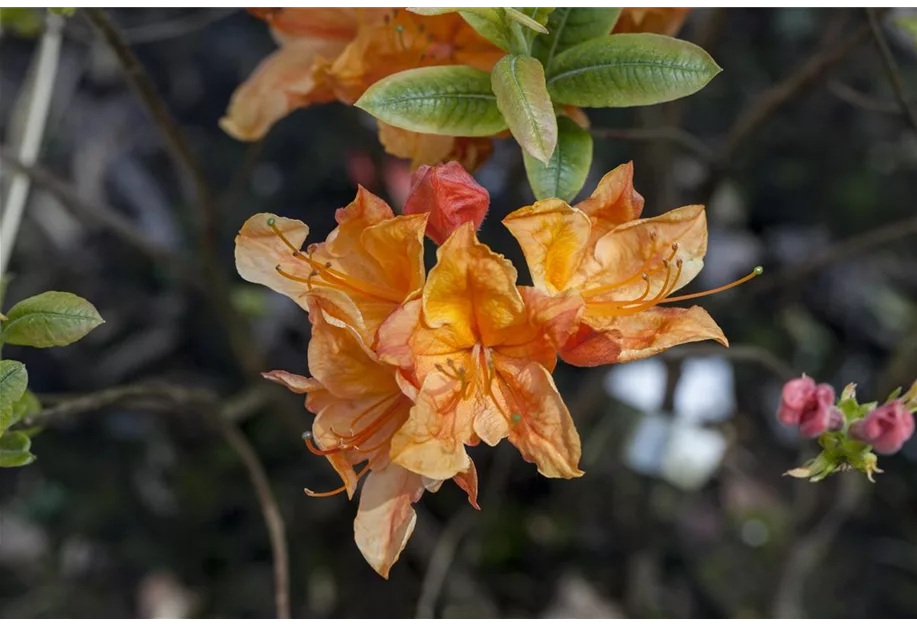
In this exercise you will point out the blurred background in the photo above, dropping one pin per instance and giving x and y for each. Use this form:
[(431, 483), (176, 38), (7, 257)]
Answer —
[(143, 510)]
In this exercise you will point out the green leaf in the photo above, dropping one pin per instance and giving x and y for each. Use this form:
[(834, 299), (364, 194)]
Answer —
[(446, 100), (518, 83), (909, 24), (50, 319), (564, 175), (531, 22), (14, 450), (629, 70), (63, 11), (569, 26), (27, 405), (491, 25), (13, 382)]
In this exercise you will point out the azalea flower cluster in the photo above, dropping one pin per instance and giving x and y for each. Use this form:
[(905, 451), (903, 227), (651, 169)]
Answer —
[(336, 54), (848, 431), (409, 368)]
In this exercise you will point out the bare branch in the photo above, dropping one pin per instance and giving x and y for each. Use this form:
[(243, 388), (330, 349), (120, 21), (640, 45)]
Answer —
[(223, 417), (891, 68), (862, 101), (690, 143)]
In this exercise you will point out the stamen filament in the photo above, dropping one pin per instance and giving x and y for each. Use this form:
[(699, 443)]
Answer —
[(748, 277)]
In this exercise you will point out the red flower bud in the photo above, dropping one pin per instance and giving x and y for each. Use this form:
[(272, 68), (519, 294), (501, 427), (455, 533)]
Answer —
[(810, 407), (450, 195), (886, 428)]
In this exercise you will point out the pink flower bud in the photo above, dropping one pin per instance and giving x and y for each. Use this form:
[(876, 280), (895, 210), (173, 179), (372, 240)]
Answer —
[(886, 428), (450, 195), (810, 407)]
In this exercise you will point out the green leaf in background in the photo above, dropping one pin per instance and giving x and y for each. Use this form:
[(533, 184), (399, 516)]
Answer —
[(909, 24), (50, 319), (14, 450), (534, 18), (518, 83), (13, 382), (63, 11), (569, 26), (629, 70), (565, 174), (446, 100)]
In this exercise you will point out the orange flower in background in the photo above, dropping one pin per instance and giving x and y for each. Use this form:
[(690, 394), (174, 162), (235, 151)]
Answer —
[(336, 54), (664, 21), (358, 406), (369, 265), (621, 267), (477, 355)]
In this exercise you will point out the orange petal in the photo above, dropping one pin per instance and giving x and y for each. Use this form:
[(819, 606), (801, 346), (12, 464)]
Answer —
[(281, 83), (590, 347), (624, 251), (472, 290), (386, 518), (662, 20), (432, 441), (542, 428), (614, 200), (468, 481), (340, 360), (420, 148), (296, 383), (657, 329), (553, 236), (259, 251)]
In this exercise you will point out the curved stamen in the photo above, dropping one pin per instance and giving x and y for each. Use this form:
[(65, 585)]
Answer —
[(748, 277), (650, 266)]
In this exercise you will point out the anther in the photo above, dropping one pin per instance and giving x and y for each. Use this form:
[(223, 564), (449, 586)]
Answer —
[(271, 221), (516, 418)]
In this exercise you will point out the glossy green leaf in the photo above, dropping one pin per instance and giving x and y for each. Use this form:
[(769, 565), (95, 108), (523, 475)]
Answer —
[(13, 382), (629, 70), (446, 100), (518, 83), (565, 174), (569, 26), (14, 450), (491, 24), (50, 319)]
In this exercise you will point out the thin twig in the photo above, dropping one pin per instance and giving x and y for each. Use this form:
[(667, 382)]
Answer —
[(441, 562), (140, 80), (738, 353), (36, 120), (756, 115), (687, 141), (845, 249), (178, 27), (224, 418), (862, 101), (101, 215), (891, 68)]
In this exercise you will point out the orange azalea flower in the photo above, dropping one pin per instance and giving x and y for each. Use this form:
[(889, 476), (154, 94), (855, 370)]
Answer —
[(621, 267), (359, 406), (369, 265), (477, 353), (336, 54), (664, 21)]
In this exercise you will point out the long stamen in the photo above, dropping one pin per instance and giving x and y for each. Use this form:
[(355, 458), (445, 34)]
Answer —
[(332, 277), (650, 265), (629, 308), (748, 277)]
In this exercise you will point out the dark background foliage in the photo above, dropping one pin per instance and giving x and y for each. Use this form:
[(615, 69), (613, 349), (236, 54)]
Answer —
[(136, 511)]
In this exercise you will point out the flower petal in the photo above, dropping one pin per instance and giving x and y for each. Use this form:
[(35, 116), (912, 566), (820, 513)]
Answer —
[(588, 347), (614, 201), (259, 251), (386, 518), (296, 383), (282, 82), (468, 481), (542, 428), (657, 329), (473, 290), (553, 237), (640, 247), (432, 441), (420, 148)]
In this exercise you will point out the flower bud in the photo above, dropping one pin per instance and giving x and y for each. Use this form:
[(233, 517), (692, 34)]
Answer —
[(450, 195), (810, 407), (886, 428)]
